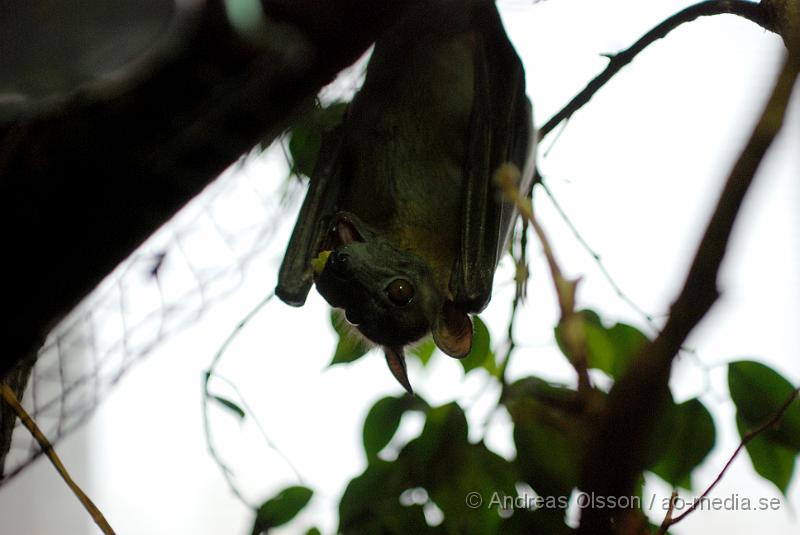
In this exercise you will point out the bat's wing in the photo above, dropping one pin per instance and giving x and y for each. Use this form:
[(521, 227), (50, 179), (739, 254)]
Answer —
[(501, 131), (296, 274)]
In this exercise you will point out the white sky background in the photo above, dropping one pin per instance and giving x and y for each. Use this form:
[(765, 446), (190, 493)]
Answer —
[(637, 170)]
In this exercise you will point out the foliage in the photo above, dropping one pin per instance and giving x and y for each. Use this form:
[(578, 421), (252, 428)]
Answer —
[(280, 509), (351, 345), (758, 393), (305, 137), (441, 482)]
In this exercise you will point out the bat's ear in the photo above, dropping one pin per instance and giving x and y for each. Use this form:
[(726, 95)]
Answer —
[(396, 360), (452, 331)]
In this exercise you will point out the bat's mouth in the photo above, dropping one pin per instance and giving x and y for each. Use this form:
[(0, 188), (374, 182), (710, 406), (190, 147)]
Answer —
[(332, 271), (344, 231)]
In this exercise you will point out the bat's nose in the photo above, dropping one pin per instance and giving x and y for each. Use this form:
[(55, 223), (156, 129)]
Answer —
[(339, 262)]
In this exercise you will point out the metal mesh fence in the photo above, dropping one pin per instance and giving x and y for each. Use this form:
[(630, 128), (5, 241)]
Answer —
[(166, 285), (196, 259)]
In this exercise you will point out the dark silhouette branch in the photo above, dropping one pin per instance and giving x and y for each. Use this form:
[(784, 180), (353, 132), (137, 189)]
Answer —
[(619, 444), (749, 10), (662, 529), (750, 435)]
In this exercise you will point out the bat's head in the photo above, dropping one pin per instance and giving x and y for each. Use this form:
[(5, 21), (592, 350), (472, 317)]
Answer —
[(388, 293)]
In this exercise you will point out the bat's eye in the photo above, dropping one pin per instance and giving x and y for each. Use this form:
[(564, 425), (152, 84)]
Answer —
[(400, 291)]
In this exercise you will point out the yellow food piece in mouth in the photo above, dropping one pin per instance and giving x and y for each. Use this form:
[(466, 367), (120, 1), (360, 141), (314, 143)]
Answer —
[(318, 263)]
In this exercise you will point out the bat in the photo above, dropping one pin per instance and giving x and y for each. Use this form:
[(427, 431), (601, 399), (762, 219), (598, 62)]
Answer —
[(402, 226)]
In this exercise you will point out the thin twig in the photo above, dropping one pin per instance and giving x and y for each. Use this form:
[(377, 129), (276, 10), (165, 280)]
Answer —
[(506, 177), (519, 296), (662, 529), (750, 10), (249, 410), (637, 399), (596, 257), (11, 399), (646, 316), (750, 435), (212, 450)]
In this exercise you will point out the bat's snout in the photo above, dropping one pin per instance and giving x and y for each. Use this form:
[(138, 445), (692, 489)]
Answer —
[(339, 262)]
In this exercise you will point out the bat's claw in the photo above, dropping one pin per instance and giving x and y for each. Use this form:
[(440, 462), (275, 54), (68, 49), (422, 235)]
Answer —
[(397, 365)]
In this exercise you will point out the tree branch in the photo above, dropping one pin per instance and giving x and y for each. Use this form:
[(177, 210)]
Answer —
[(570, 322), (750, 435), (749, 10), (619, 445), (8, 396)]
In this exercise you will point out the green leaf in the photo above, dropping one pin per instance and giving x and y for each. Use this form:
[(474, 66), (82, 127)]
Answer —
[(589, 317), (759, 392), (689, 439), (600, 350), (476, 469), (445, 429), (382, 423), (628, 342), (313, 531), (771, 460), (443, 462), (371, 502), (549, 521), (549, 434), (608, 349), (230, 405), (305, 137), (424, 350), (446, 468), (431, 457), (548, 457), (536, 389), (281, 509), (351, 345), (304, 145), (481, 354)]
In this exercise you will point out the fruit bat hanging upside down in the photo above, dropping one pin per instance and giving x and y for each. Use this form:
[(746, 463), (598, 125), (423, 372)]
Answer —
[(402, 226)]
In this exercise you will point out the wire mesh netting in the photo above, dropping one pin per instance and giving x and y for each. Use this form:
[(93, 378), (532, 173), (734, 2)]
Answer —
[(198, 258), (166, 285)]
